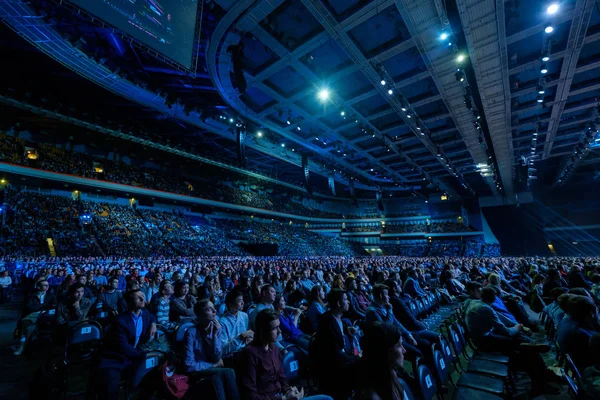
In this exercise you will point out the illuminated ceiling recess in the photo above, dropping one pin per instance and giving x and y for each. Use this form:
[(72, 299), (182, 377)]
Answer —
[(374, 147)]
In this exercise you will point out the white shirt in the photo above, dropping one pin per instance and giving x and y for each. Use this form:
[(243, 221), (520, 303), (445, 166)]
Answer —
[(5, 281)]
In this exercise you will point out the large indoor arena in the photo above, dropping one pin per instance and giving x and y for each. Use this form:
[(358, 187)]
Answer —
[(300, 199)]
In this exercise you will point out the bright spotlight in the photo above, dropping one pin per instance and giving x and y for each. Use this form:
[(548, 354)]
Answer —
[(343, 113), (552, 8), (323, 94), (444, 36), (231, 120), (383, 82), (390, 91), (460, 58), (545, 58), (282, 144), (549, 29), (544, 70), (259, 134)]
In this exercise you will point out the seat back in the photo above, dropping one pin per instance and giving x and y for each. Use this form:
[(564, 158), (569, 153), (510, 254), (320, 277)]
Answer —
[(180, 329), (445, 349), (83, 340), (291, 366), (46, 319), (572, 376), (407, 392), (455, 341), (441, 367), (426, 381), (141, 369), (413, 308)]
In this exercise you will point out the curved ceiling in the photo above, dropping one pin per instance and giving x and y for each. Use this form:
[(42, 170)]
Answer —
[(474, 127)]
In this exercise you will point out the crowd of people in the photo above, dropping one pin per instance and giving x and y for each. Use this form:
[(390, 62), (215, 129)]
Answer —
[(248, 310), (229, 188)]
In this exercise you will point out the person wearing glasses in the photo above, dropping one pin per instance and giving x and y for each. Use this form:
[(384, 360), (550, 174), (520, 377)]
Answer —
[(38, 301)]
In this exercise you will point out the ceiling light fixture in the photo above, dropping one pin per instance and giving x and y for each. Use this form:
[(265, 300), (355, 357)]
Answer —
[(259, 134), (324, 94), (549, 29), (282, 144), (390, 91), (545, 58), (343, 113), (543, 69), (383, 82), (552, 8), (460, 58)]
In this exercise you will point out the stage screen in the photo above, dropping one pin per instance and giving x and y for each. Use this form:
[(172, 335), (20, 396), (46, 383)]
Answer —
[(167, 26)]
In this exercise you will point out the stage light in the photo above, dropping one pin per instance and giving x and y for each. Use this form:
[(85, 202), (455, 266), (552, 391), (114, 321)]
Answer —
[(403, 109), (343, 113), (444, 36), (460, 58), (540, 89), (383, 82), (231, 120), (409, 116), (259, 134), (540, 100), (544, 69), (288, 122), (298, 128), (552, 8), (545, 58), (549, 29), (324, 94), (282, 144), (390, 91)]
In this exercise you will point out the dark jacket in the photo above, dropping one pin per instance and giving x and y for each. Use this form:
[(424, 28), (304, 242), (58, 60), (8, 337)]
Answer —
[(403, 314), (334, 368), (327, 350), (32, 304), (355, 311), (118, 351)]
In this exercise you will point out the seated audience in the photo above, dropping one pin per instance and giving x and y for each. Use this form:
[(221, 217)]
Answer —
[(490, 334), (267, 298), (160, 304), (381, 364), (5, 286), (121, 348), (288, 318), (182, 304), (74, 308), (356, 311), (110, 299), (234, 322), (317, 306), (591, 375), (330, 352), (202, 353), (261, 374), (412, 286), (576, 328)]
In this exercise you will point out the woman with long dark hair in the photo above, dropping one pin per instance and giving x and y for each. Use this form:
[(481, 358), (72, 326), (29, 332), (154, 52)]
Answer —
[(383, 355)]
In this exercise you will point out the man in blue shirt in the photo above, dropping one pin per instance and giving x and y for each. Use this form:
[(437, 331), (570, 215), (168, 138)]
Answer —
[(121, 345)]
